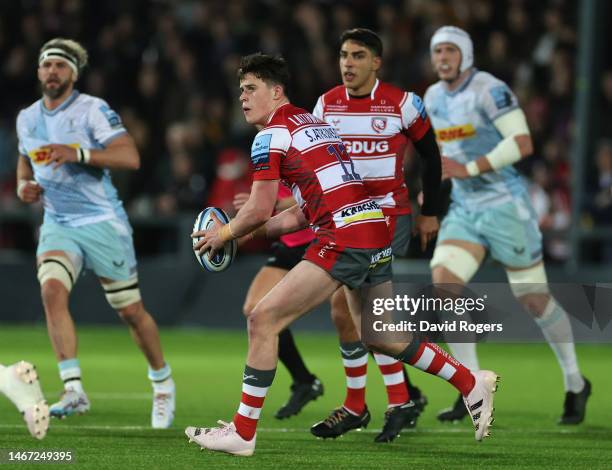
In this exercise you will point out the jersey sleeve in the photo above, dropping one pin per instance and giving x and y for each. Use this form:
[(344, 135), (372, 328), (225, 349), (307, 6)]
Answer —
[(318, 109), (269, 147), (496, 99), (104, 123), (415, 121), (19, 125)]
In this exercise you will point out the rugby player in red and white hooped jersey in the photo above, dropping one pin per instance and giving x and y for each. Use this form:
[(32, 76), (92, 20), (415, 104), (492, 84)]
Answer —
[(352, 249), (377, 121)]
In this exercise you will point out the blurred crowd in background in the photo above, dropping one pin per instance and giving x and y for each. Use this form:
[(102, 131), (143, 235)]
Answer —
[(169, 69)]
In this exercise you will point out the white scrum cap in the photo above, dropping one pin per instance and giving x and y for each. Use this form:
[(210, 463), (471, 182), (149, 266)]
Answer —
[(459, 38)]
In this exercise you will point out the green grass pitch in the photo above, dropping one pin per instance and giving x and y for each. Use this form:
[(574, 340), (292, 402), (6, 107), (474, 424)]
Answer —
[(208, 366)]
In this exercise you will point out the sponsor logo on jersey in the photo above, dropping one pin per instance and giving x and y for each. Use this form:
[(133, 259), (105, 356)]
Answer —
[(323, 251), (379, 124), (356, 147), (502, 96), (260, 151), (417, 102), (368, 210), (41, 156), (448, 134), (114, 121)]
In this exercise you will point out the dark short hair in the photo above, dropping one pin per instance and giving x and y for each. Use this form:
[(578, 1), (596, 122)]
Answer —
[(272, 70), (365, 37)]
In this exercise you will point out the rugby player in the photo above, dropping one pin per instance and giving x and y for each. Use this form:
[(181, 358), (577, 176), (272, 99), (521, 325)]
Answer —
[(351, 248), (19, 383), (376, 121), (287, 252), (482, 132), (68, 142)]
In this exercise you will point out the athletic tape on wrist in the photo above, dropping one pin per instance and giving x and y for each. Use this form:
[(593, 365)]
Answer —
[(84, 155), (20, 185), (226, 234), (472, 168)]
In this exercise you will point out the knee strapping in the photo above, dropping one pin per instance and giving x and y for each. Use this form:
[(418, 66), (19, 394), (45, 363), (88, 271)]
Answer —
[(457, 260), (59, 268), (120, 294), (528, 281)]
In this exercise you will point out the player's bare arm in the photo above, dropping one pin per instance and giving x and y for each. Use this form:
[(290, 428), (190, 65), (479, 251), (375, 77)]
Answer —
[(120, 154), (255, 212), (288, 221), (240, 200), (28, 190)]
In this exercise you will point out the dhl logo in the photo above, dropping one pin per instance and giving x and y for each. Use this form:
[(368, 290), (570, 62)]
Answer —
[(455, 133), (41, 155)]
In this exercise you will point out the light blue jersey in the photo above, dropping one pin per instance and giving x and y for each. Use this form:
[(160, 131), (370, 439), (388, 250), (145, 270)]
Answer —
[(73, 194), (463, 122), (493, 209)]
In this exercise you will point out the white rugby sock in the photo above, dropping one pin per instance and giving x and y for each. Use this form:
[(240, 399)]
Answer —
[(466, 354), (557, 330), (70, 373), (161, 379)]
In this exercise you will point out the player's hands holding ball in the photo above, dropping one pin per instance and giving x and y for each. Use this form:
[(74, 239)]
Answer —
[(213, 243), (210, 241)]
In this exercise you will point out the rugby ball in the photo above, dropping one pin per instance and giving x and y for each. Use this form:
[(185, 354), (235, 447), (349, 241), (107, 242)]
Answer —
[(224, 257)]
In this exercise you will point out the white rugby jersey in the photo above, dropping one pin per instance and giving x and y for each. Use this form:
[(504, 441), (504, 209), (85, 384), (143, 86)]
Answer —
[(74, 194), (463, 123), (376, 129)]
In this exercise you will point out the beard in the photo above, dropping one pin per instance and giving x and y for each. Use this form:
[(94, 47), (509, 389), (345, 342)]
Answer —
[(55, 93)]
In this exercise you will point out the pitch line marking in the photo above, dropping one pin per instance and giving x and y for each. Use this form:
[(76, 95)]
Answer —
[(305, 429)]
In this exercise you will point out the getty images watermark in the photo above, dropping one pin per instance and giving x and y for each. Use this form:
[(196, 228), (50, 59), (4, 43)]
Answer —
[(438, 306), (491, 312)]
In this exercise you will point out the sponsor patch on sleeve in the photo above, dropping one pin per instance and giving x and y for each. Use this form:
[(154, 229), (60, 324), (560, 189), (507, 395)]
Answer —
[(111, 116), (417, 102), (260, 152), (501, 96)]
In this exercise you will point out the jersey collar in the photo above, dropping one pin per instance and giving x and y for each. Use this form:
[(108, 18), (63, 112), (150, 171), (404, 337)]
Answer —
[(464, 85), (275, 111), (372, 93), (73, 96)]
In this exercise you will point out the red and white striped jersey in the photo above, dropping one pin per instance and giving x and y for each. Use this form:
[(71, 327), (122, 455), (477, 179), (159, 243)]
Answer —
[(299, 238), (376, 129), (309, 155)]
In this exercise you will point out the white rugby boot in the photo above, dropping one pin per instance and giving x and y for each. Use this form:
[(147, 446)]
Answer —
[(221, 439), (479, 402), (19, 382), (70, 403), (164, 402)]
